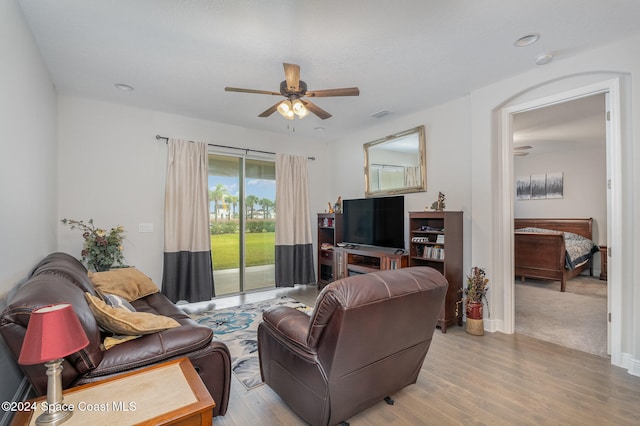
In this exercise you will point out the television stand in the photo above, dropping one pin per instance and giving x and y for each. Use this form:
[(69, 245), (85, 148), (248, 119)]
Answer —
[(354, 260)]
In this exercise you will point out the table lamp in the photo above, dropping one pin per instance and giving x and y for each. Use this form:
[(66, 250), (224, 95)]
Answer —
[(53, 332)]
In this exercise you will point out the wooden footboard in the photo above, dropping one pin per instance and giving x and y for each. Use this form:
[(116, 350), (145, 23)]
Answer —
[(542, 255)]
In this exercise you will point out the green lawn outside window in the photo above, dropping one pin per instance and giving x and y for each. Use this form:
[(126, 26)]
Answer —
[(259, 250)]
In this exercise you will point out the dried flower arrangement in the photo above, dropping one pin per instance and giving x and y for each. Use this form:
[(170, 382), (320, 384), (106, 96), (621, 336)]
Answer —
[(477, 287)]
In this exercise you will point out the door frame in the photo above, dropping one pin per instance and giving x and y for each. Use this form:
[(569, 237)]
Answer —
[(611, 88)]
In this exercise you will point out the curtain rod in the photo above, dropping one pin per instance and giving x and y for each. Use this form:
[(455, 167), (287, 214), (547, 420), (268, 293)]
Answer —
[(166, 139)]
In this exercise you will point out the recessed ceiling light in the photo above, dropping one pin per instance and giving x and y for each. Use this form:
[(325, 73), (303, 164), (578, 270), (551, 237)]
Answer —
[(124, 87), (319, 129), (544, 59), (527, 40)]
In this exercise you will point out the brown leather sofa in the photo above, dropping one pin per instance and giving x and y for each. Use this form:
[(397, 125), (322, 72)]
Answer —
[(62, 278), (367, 338)]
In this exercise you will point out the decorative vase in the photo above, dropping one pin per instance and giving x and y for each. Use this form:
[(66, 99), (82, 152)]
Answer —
[(475, 325)]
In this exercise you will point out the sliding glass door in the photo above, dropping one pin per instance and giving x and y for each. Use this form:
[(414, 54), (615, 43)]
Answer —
[(242, 217)]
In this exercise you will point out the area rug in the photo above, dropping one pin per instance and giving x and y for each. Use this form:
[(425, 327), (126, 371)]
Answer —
[(237, 327)]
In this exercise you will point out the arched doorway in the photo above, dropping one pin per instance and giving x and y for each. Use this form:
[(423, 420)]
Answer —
[(611, 88)]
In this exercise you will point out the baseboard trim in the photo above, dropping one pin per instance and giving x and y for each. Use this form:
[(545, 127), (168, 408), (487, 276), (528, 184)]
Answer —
[(630, 364)]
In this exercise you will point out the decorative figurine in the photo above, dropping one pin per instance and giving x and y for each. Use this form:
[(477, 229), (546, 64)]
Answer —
[(439, 204), (330, 208), (338, 205)]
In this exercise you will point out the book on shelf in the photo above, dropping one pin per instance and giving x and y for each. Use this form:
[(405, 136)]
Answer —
[(433, 252), (440, 239)]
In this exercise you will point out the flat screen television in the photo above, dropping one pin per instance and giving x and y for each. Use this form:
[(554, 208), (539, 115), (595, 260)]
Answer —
[(374, 221)]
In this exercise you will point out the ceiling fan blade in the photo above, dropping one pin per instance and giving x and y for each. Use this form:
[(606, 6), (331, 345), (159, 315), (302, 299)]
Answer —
[(269, 111), (260, 92), (522, 147), (292, 76), (316, 109), (346, 91)]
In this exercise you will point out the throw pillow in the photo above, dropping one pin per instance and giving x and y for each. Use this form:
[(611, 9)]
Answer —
[(111, 341), (126, 282), (121, 321), (117, 302)]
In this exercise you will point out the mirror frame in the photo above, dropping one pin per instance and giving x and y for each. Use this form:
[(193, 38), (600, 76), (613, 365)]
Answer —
[(422, 187)]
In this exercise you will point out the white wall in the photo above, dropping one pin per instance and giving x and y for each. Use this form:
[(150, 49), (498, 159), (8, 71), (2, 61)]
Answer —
[(448, 160), (27, 168), (28, 145), (112, 169)]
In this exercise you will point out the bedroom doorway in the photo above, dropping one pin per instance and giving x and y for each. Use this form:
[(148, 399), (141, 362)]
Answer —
[(559, 166), (614, 218)]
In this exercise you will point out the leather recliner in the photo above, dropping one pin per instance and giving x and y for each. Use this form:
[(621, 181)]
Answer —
[(367, 338)]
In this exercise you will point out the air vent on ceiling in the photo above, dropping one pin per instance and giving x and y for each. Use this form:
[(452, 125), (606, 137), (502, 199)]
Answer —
[(380, 114)]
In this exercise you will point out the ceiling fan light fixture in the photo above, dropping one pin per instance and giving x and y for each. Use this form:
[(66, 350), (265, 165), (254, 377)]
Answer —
[(297, 105), (302, 113), (292, 88), (299, 109), (285, 108)]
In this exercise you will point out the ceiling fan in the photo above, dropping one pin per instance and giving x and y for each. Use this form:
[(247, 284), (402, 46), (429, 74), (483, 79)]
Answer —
[(294, 90)]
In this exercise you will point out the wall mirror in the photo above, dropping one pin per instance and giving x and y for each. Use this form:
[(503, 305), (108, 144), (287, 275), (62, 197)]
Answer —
[(396, 164)]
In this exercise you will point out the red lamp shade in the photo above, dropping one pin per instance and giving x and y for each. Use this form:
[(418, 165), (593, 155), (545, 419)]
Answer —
[(53, 332)]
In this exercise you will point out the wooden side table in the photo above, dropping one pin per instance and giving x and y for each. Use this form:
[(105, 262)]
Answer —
[(603, 262), (171, 393)]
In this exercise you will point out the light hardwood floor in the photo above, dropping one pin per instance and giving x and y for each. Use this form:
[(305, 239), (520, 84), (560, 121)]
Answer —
[(495, 379)]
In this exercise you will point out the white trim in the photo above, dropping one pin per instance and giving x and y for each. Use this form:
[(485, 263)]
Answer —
[(614, 217), (632, 365)]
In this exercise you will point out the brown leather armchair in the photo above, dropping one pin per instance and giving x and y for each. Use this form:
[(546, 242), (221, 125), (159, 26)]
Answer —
[(367, 338)]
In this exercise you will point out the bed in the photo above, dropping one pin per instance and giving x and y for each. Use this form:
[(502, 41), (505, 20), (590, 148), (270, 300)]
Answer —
[(553, 249)]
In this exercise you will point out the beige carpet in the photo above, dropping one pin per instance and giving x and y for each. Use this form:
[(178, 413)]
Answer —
[(576, 318)]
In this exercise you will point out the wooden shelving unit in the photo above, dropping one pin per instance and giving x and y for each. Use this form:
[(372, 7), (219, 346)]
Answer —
[(435, 240), (329, 234), (365, 259)]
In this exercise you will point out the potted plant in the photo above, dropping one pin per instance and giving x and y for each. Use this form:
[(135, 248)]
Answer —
[(102, 249), (476, 292)]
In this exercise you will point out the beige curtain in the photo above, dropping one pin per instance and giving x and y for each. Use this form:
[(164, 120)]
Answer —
[(188, 271), (294, 246)]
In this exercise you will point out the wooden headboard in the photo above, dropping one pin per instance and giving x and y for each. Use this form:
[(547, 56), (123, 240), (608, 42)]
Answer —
[(582, 227)]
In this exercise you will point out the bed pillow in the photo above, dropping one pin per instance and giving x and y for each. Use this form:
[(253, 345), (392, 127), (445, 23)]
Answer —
[(128, 283), (122, 322)]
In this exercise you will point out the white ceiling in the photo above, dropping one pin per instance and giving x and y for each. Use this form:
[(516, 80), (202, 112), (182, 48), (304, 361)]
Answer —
[(575, 124), (404, 55)]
